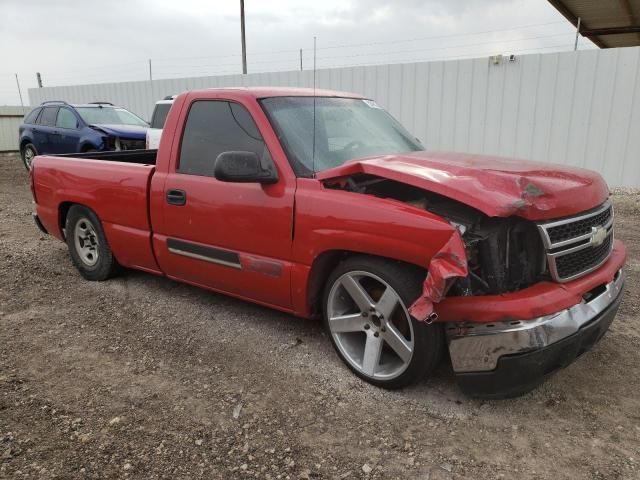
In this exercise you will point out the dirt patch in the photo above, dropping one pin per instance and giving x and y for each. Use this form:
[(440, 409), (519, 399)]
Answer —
[(142, 377)]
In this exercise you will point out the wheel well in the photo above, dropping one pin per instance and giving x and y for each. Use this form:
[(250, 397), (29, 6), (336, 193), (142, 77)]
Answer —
[(320, 270), (63, 210), (322, 267), (23, 143)]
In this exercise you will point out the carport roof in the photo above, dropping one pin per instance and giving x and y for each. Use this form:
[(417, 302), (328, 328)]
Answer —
[(607, 23)]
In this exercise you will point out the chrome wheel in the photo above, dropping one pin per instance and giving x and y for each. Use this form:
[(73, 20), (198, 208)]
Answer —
[(86, 241), (29, 155), (370, 325)]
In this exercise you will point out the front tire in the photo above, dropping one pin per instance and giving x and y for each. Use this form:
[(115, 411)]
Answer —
[(88, 246), (366, 303), (28, 153)]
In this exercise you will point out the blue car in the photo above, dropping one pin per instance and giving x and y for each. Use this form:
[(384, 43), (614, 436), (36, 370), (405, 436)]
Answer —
[(58, 127)]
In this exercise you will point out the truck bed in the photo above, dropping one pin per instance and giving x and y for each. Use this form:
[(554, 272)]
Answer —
[(144, 157), (115, 185)]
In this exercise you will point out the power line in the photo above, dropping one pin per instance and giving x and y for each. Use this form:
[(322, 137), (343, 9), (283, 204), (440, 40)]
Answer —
[(144, 63), (209, 73), (349, 45), (174, 66), (441, 58), (450, 46), (434, 37), (215, 65), (449, 57)]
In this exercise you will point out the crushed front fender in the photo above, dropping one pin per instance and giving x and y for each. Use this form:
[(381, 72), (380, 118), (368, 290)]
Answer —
[(445, 266)]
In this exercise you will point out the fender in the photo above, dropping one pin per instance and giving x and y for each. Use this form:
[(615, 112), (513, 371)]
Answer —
[(92, 137), (418, 237), (24, 140), (89, 143)]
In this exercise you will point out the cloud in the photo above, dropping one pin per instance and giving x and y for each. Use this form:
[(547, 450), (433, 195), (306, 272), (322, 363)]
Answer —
[(91, 41)]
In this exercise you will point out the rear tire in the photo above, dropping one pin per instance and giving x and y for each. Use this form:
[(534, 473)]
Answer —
[(28, 153), (365, 307), (88, 246)]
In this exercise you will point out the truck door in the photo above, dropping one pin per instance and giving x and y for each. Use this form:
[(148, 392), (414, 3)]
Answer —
[(231, 237)]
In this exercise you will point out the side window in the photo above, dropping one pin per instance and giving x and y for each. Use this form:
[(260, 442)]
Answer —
[(160, 115), (214, 127), (31, 116), (66, 119), (48, 117)]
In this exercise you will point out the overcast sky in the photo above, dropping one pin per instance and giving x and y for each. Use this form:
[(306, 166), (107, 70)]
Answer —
[(92, 41)]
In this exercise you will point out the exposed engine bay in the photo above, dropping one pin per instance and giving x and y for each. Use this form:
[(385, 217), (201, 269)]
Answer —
[(503, 254)]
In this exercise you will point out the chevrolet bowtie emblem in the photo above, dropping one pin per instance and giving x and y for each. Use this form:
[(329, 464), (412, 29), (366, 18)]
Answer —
[(598, 235)]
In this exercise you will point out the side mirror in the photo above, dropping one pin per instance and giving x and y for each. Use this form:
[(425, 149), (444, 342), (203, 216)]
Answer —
[(242, 167)]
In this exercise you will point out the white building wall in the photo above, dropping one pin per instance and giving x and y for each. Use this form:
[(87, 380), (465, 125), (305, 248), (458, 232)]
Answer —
[(10, 119), (575, 108)]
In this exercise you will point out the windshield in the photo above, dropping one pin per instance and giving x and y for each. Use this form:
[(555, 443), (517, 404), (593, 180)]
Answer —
[(109, 116), (346, 129)]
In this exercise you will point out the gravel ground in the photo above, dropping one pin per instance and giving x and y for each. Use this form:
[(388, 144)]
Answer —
[(142, 377)]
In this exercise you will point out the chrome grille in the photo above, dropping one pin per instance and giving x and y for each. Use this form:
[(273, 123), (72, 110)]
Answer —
[(571, 230), (578, 245), (573, 264)]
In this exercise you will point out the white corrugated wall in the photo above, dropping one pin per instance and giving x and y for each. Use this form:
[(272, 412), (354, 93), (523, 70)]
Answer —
[(10, 119), (576, 108)]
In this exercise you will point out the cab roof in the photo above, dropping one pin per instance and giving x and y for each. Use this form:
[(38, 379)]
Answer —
[(266, 92)]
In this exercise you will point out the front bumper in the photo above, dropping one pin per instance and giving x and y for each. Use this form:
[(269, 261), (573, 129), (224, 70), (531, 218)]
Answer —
[(509, 358)]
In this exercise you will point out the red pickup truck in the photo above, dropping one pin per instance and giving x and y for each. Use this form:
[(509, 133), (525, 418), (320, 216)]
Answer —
[(321, 204)]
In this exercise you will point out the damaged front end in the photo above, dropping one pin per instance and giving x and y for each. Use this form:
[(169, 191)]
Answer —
[(531, 276), (487, 255)]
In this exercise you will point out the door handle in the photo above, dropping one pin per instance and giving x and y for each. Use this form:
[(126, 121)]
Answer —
[(176, 197)]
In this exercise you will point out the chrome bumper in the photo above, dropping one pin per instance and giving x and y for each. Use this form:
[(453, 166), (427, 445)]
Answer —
[(476, 347)]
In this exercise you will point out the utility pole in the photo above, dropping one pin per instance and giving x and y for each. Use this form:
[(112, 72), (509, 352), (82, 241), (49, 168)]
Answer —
[(244, 42), (300, 59), (153, 96), (39, 77), (19, 91), (575, 45)]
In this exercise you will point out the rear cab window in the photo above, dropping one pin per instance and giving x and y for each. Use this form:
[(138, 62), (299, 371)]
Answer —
[(160, 115), (214, 127), (48, 116)]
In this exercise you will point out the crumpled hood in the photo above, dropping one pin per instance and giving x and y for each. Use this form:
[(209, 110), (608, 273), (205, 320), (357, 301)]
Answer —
[(496, 186), (134, 132)]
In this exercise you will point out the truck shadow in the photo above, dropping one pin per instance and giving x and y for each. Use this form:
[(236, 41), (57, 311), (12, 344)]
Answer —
[(301, 340), (303, 345)]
